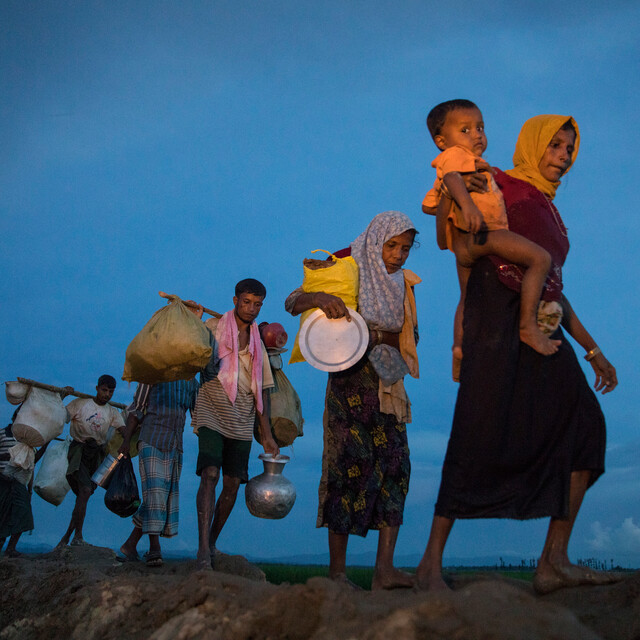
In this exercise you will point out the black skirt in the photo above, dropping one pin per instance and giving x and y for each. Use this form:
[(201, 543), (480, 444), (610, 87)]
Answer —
[(523, 421), (15, 507)]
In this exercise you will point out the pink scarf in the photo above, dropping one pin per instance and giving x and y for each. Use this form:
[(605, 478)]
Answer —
[(227, 339)]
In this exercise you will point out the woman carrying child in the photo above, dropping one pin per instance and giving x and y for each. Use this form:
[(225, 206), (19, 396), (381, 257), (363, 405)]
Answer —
[(528, 435), (475, 225), (365, 462)]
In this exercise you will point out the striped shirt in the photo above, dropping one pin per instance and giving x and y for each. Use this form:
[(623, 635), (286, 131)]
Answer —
[(213, 408), (162, 410), (7, 441)]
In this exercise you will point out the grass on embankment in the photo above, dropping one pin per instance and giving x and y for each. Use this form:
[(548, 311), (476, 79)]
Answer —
[(299, 574)]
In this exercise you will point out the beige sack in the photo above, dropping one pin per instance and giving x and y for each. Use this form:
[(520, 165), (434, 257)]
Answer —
[(286, 412), (173, 345), (40, 419)]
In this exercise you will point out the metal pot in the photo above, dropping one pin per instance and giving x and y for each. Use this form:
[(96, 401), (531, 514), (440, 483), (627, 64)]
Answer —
[(104, 471), (270, 495)]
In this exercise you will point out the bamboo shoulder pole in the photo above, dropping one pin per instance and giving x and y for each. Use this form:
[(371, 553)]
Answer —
[(215, 314), (50, 387)]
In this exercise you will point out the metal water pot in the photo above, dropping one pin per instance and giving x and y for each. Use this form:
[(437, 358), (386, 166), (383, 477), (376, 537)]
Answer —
[(270, 494)]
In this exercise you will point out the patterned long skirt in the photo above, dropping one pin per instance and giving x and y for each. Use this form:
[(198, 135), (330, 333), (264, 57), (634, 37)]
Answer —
[(365, 462)]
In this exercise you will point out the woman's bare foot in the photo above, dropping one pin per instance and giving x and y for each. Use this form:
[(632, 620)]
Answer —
[(547, 579), (427, 581), (550, 578), (457, 362), (584, 575), (538, 341), (392, 579)]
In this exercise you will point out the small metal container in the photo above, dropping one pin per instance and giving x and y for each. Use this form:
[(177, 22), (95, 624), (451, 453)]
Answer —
[(270, 495), (103, 472)]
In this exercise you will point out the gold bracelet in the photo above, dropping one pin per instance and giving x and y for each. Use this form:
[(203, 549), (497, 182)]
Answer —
[(379, 336), (592, 354)]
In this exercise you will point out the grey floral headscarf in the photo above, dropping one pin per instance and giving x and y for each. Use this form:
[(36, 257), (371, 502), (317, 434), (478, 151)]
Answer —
[(381, 295)]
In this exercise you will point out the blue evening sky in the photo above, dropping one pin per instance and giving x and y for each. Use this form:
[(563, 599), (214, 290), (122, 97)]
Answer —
[(184, 146)]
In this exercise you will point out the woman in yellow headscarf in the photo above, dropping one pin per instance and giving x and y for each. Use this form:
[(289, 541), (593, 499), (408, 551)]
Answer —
[(528, 436)]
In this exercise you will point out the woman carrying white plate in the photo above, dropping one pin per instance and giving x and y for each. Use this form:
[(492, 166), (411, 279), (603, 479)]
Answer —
[(365, 462)]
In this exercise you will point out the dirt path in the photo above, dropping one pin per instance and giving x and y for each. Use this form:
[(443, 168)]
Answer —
[(84, 594)]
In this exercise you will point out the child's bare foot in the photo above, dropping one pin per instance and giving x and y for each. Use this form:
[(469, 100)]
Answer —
[(457, 363), (538, 341)]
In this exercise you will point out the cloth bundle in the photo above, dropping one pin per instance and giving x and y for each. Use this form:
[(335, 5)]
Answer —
[(286, 409), (40, 419), (173, 345)]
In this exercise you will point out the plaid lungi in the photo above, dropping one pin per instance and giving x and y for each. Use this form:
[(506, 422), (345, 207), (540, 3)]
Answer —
[(160, 475)]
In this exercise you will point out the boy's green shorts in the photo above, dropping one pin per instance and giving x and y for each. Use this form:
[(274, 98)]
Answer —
[(216, 450)]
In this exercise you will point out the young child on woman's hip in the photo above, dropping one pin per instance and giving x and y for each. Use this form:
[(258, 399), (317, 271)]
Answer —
[(474, 225)]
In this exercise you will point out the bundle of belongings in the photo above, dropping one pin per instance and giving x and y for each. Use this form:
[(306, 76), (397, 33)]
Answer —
[(173, 345)]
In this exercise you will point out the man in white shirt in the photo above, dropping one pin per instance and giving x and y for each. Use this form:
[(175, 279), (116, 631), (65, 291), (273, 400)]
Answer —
[(91, 421)]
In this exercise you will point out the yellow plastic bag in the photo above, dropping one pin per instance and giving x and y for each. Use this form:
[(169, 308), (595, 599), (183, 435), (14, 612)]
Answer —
[(116, 439), (339, 277), (173, 345)]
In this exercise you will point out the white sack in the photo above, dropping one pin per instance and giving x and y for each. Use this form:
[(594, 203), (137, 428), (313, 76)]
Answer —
[(22, 456), (51, 480)]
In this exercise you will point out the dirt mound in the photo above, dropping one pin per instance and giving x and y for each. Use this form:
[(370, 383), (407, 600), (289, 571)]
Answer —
[(84, 594)]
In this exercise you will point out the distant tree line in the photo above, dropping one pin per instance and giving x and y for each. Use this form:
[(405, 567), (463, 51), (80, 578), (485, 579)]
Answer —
[(532, 563)]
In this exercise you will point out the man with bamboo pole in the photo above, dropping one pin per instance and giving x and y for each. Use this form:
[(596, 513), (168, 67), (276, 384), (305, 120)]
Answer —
[(235, 390), (92, 420)]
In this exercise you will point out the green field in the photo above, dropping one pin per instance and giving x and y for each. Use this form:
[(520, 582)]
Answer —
[(299, 574)]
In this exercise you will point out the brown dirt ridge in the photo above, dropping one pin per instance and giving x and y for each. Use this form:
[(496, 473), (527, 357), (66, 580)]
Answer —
[(84, 594)]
